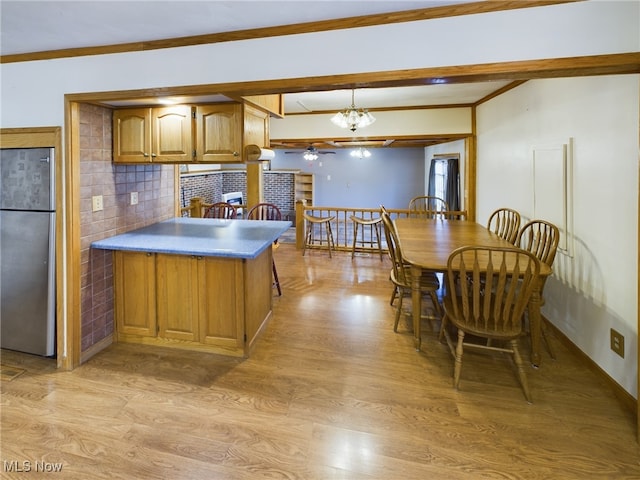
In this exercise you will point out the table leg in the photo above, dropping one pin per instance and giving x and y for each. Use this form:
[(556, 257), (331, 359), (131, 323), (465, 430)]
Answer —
[(535, 325), (416, 304)]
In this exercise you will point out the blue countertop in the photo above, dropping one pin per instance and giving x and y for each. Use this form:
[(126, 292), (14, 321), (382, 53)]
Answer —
[(209, 237)]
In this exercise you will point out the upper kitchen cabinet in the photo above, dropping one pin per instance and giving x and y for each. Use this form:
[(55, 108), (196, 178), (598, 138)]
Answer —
[(219, 133), (274, 104), (212, 133), (161, 135), (256, 127)]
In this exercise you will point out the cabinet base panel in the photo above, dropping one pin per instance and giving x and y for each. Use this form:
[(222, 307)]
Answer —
[(182, 345)]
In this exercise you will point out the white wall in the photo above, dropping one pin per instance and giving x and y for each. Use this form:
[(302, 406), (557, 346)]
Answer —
[(594, 289), (32, 92), (389, 123)]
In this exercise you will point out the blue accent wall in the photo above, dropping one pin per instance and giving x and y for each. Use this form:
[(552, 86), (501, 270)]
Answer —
[(391, 176)]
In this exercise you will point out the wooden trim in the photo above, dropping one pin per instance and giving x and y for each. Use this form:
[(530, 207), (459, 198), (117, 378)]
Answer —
[(626, 399), (283, 30), (615, 64), (177, 209), (393, 109), (72, 224), (470, 180), (96, 348), (500, 91), (49, 137)]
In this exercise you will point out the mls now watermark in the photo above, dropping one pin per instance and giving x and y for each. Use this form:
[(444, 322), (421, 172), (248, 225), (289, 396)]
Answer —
[(29, 466)]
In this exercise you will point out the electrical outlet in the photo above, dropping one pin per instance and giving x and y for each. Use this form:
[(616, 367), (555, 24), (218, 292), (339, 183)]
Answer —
[(134, 198), (97, 203), (617, 342)]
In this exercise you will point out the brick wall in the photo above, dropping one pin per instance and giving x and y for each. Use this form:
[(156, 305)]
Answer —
[(278, 188), (99, 176)]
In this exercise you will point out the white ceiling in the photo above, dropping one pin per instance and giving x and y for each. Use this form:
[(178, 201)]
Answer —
[(28, 26)]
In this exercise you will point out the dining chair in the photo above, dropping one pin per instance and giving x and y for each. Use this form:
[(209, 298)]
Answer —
[(505, 222), (221, 210), (400, 274), (264, 211), (541, 238), (428, 206), (492, 308), (268, 211)]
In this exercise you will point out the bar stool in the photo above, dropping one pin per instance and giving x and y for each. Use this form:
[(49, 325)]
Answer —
[(313, 220), (373, 223)]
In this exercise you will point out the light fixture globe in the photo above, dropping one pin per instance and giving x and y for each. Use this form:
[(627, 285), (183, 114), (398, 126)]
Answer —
[(360, 153), (352, 118)]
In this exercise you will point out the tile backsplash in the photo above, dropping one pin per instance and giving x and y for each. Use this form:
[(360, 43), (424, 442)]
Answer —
[(155, 186)]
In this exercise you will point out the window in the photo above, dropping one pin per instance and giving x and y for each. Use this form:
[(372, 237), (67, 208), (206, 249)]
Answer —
[(444, 179)]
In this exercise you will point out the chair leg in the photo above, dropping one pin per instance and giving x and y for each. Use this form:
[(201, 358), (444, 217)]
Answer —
[(398, 312), (520, 366), (275, 278), (355, 236), (379, 242), (329, 237), (307, 238), (545, 339), (458, 362), (436, 303), (393, 295)]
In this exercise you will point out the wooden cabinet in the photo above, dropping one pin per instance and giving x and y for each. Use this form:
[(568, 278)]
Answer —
[(219, 133), (274, 104), (144, 135), (213, 133), (304, 187), (135, 293), (177, 297), (215, 304)]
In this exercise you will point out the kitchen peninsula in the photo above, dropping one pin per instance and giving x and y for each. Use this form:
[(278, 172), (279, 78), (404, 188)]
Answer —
[(194, 283)]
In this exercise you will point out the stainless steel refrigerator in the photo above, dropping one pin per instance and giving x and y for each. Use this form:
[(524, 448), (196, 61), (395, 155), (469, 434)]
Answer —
[(27, 250)]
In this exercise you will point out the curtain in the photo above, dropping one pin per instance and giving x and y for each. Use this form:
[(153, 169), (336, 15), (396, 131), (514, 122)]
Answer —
[(450, 188)]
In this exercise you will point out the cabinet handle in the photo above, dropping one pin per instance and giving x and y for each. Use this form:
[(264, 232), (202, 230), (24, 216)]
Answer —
[(236, 154), (149, 254), (145, 154), (153, 155)]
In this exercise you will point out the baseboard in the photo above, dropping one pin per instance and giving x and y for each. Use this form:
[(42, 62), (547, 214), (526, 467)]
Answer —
[(626, 399), (96, 348)]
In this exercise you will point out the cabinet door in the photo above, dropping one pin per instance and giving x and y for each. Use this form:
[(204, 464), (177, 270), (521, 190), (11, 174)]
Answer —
[(219, 133), (132, 135), (222, 302), (172, 134), (135, 293), (177, 290)]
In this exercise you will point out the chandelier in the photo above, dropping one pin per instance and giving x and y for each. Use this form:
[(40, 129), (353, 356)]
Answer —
[(360, 153), (352, 118)]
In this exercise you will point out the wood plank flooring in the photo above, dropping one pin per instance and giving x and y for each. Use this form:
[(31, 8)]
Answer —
[(330, 392)]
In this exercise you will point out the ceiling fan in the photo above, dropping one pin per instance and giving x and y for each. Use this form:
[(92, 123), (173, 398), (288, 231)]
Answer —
[(311, 153)]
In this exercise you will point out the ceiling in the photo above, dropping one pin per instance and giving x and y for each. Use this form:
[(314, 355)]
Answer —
[(34, 26), (40, 26)]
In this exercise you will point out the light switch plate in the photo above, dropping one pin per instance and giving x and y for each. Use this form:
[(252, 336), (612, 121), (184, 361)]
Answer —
[(134, 198)]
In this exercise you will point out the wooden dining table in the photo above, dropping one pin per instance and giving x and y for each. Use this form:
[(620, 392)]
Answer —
[(426, 244)]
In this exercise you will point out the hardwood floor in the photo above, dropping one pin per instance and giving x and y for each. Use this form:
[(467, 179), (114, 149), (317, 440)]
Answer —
[(330, 392)]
